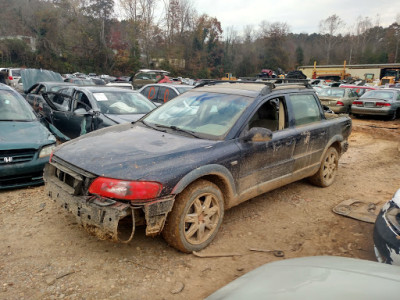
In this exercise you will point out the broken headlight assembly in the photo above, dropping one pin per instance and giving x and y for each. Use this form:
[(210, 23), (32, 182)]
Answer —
[(46, 150), (125, 190)]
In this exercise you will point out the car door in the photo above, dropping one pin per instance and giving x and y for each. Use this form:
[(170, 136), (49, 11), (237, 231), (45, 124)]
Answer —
[(79, 124), (264, 163), (312, 131)]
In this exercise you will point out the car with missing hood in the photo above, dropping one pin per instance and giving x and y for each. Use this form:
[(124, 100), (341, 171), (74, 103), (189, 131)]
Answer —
[(74, 111), (387, 232), (177, 169), (383, 102), (25, 143)]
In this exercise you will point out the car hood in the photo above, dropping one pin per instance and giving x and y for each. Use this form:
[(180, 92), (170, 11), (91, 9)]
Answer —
[(20, 135), (319, 277), (133, 152), (33, 76), (120, 119)]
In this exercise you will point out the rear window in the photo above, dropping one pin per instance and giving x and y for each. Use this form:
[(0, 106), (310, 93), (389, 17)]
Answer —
[(15, 72), (337, 93), (385, 95)]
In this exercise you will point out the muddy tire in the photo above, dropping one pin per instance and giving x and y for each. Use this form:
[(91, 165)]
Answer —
[(195, 218), (328, 170)]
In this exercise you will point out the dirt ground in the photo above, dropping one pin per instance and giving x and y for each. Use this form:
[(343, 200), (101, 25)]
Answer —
[(45, 255)]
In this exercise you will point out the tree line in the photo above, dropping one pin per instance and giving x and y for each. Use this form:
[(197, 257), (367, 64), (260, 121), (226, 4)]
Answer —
[(121, 36)]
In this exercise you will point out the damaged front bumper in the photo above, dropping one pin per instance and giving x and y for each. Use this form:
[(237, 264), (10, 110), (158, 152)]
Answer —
[(105, 218)]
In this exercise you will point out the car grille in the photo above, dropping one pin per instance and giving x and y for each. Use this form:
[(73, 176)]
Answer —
[(16, 156), (21, 180), (72, 179)]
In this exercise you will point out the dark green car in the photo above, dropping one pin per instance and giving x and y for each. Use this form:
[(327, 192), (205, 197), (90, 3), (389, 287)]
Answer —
[(25, 143)]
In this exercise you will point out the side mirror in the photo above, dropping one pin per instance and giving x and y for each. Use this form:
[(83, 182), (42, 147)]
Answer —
[(82, 112), (258, 134)]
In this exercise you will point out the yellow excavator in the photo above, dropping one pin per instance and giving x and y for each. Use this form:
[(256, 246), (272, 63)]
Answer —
[(228, 76)]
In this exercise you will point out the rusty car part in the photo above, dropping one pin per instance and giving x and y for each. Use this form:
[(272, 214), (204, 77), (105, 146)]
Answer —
[(211, 255), (356, 209), (277, 253)]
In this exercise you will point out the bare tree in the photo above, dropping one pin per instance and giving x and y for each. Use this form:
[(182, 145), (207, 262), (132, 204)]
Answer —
[(329, 28)]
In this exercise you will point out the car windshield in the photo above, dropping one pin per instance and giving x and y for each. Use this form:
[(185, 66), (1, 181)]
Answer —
[(336, 93), (119, 103), (208, 115), (14, 108), (385, 95)]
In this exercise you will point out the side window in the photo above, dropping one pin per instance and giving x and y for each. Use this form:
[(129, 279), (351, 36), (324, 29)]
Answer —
[(152, 93), (165, 94), (305, 109), (82, 101), (270, 115), (398, 96)]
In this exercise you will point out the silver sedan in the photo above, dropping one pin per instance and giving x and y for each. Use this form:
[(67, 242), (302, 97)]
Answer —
[(384, 102)]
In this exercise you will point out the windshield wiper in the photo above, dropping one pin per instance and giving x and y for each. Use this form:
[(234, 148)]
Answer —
[(152, 126), (178, 129)]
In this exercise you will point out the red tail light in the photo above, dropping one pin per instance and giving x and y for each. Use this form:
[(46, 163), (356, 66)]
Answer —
[(10, 78), (339, 103), (51, 156), (357, 103), (125, 190), (382, 104)]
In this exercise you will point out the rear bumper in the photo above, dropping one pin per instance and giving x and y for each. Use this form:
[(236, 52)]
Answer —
[(371, 111), (102, 216)]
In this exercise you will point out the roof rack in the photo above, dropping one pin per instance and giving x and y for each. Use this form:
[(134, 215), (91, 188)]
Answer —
[(270, 83)]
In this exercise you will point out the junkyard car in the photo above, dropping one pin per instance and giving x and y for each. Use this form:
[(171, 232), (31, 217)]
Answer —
[(384, 102), (13, 75), (339, 100), (315, 277), (162, 92), (77, 110), (387, 232), (147, 76), (181, 166), (25, 144)]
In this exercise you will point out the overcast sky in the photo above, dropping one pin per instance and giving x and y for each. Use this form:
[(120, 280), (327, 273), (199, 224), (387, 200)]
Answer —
[(301, 16)]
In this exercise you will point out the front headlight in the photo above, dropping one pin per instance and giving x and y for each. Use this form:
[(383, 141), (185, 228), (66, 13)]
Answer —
[(46, 151)]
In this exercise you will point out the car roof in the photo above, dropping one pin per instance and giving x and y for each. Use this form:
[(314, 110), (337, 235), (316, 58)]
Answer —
[(103, 89), (247, 89)]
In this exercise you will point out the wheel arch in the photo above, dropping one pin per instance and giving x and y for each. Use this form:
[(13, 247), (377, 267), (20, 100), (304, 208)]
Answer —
[(217, 174), (336, 142)]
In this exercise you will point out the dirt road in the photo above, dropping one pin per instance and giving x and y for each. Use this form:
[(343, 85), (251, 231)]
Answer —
[(45, 255)]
